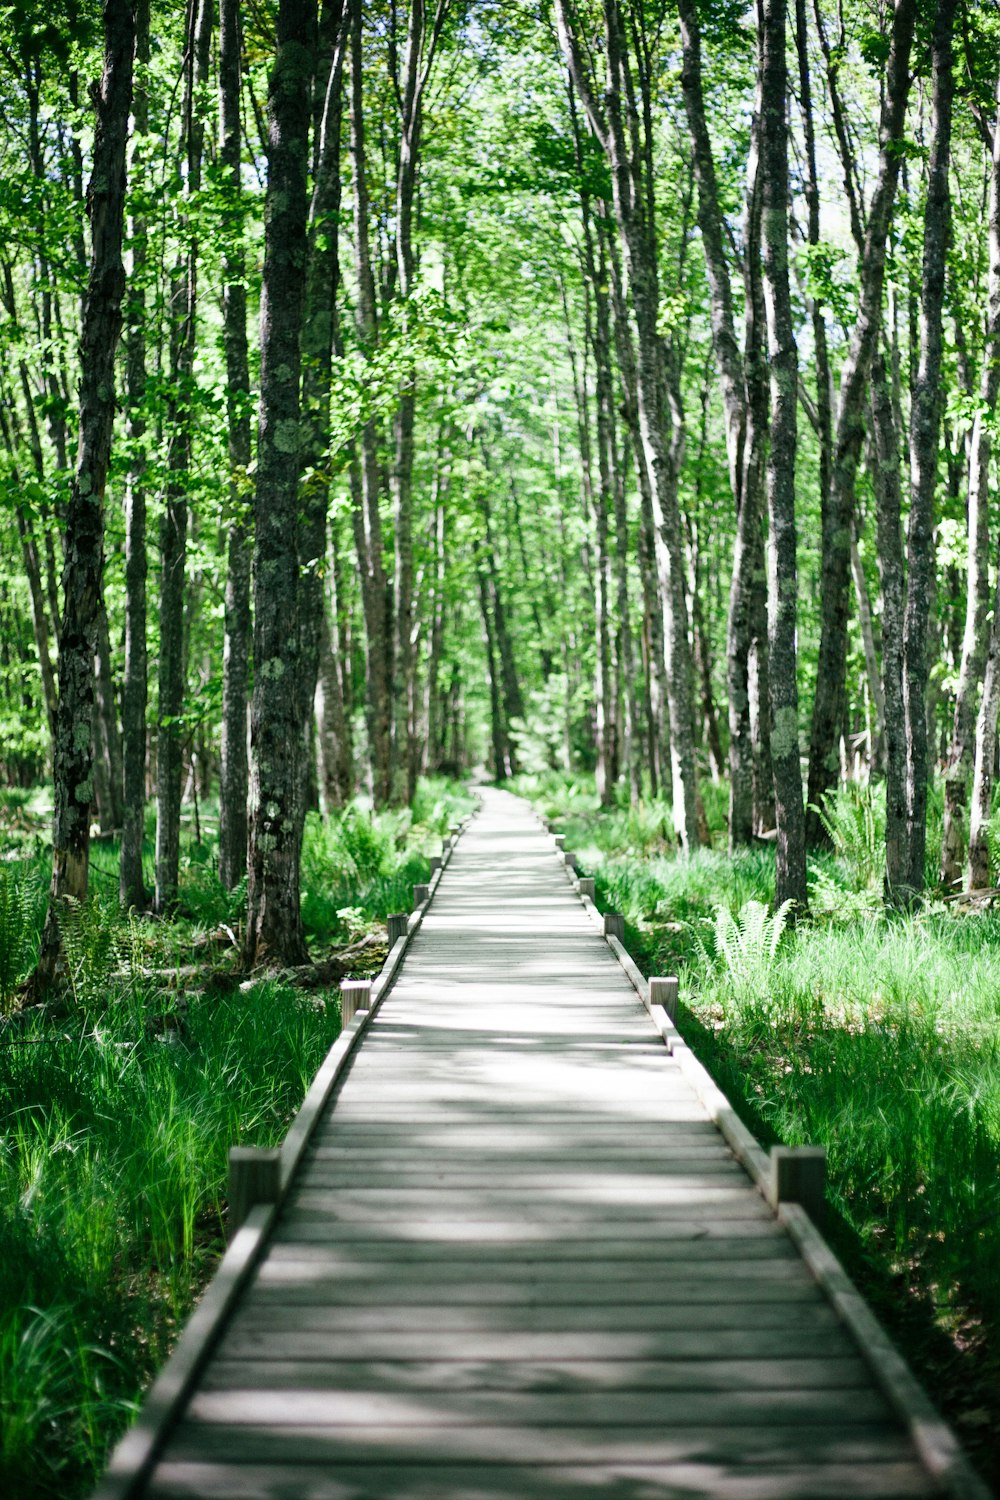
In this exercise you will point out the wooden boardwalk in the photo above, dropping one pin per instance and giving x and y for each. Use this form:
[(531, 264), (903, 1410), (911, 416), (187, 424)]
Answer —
[(519, 1259)]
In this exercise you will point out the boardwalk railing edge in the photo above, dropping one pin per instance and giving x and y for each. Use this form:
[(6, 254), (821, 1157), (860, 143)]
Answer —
[(939, 1449), (136, 1453)]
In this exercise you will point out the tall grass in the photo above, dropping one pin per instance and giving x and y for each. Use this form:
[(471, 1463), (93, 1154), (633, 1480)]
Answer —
[(877, 1036), (118, 1110), (112, 1197)]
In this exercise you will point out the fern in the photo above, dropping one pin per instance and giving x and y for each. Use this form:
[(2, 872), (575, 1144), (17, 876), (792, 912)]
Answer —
[(854, 817), (19, 897), (748, 943)]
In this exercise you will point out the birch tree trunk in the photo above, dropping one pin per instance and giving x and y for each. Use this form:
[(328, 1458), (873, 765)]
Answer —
[(174, 525), (743, 381), (925, 426), (234, 767), (421, 43), (975, 640), (632, 213), (367, 521), (320, 683), (274, 920), (782, 589), (828, 705), (84, 543), (889, 504), (131, 885)]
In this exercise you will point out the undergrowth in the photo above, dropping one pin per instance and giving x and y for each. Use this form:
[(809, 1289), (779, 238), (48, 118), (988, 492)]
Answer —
[(119, 1106), (876, 1035)]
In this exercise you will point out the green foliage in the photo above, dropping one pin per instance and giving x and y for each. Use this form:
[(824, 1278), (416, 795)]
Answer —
[(747, 945), (112, 1183), (854, 817), (22, 895), (877, 1039)]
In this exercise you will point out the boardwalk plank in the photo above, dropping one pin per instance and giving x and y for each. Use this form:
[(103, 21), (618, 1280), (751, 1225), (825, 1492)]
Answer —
[(813, 1374), (884, 1479)]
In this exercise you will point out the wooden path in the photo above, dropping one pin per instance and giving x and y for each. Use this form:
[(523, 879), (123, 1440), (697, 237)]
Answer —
[(519, 1259)]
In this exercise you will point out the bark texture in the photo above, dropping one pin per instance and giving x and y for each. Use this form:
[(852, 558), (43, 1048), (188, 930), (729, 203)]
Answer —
[(180, 429), (616, 127), (319, 675), (234, 765), (84, 545), (366, 484), (925, 426), (835, 576), (274, 920), (978, 874), (790, 878), (975, 640), (743, 381), (131, 884)]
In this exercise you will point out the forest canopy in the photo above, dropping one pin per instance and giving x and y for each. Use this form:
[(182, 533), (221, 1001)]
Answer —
[(595, 385)]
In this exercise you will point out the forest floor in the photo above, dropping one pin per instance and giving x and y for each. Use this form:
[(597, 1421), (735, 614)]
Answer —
[(120, 1102), (873, 1035)]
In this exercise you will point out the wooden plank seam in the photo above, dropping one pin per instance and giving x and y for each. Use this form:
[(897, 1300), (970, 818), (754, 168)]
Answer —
[(136, 1454)]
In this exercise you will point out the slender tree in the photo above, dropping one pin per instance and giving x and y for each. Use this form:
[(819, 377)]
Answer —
[(612, 122), (782, 589), (84, 542), (233, 768), (925, 427), (838, 514), (131, 884), (274, 920), (180, 432)]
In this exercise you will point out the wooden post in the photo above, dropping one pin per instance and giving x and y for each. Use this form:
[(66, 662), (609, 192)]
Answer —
[(355, 995), (420, 895), (614, 925), (397, 925), (254, 1177), (588, 888), (798, 1175), (454, 829), (560, 839), (664, 992), (569, 860), (435, 863)]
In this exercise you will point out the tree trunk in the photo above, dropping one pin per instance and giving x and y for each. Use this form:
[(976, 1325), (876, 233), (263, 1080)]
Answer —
[(321, 699), (234, 768), (435, 715), (654, 668), (743, 380), (889, 504), (274, 919), (106, 732), (977, 628), (498, 723), (978, 877), (331, 730), (782, 588), (421, 42), (131, 884), (868, 644), (368, 525), (102, 318), (828, 705), (173, 529), (925, 426), (637, 232)]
